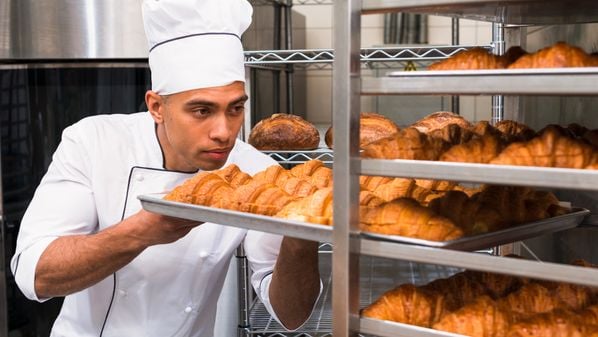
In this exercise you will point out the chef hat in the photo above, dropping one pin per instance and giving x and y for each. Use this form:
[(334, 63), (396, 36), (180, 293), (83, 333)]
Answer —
[(195, 43)]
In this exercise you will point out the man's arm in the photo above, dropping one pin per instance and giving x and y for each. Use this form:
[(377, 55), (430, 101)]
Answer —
[(73, 263), (295, 284)]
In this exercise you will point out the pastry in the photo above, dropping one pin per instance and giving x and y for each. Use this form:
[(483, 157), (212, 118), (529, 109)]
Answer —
[(408, 143), (558, 55), (372, 126), (474, 58), (439, 120), (284, 132)]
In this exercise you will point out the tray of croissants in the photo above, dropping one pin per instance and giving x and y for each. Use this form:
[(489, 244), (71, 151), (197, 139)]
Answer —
[(425, 212), (551, 59), (482, 304)]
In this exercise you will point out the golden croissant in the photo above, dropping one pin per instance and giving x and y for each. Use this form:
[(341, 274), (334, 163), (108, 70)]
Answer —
[(406, 217), (551, 149), (406, 144)]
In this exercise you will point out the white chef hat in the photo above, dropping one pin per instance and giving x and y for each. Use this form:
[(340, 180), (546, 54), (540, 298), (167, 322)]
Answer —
[(195, 43)]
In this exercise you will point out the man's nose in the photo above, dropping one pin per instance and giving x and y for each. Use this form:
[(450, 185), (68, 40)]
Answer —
[(220, 131)]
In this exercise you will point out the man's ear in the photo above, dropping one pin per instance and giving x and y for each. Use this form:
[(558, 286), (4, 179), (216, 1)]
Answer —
[(155, 105)]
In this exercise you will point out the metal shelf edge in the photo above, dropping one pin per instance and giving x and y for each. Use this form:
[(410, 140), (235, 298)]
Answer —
[(484, 173), (393, 329), (482, 262), (237, 219), (507, 82)]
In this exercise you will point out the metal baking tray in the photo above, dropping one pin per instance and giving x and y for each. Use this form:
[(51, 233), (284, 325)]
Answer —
[(557, 81), (154, 203), (508, 235)]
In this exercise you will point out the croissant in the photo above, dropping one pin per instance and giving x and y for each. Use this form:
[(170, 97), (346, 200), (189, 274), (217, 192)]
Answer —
[(556, 56), (233, 175), (477, 150), (406, 144), (205, 188), (440, 120), (560, 322), (550, 149), (314, 172), (407, 304), (515, 132), (370, 183), (459, 289), (316, 208), (474, 58), (436, 185), (282, 178), (394, 189), (452, 134), (482, 318), (406, 217), (260, 198)]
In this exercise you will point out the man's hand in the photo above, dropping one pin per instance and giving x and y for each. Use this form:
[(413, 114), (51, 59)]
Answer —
[(73, 263)]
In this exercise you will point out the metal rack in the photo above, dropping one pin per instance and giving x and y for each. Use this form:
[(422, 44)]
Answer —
[(298, 157), (373, 58), (348, 85), (376, 274)]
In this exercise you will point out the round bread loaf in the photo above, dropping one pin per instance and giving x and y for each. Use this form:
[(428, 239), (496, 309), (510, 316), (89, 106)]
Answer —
[(372, 126), (284, 132)]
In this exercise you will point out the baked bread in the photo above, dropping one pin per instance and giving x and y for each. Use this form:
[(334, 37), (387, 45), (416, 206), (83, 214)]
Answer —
[(408, 143), (284, 132), (558, 55), (477, 150), (474, 58), (439, 120), (552, 148), (514, 131), (372, 126)]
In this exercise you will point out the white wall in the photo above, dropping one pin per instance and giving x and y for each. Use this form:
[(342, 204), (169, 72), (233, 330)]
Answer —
[(318, 35)]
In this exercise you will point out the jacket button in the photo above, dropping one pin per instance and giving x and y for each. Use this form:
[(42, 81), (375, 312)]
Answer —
[(139, 177), (188, 309), (203, 254), (122, 293)]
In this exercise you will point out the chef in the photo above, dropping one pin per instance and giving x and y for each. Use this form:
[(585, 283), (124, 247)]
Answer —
[(128, 272)]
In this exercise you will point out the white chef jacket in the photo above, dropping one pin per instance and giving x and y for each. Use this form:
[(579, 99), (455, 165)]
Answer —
[(102, 164)]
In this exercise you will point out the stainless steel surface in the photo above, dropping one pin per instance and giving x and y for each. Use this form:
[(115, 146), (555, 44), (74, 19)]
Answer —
[(488, 240), (498, 44), (483, 262), (3, 288), (297, 157), (244, 288), (566, 81), (503, 11), (455, 41), (345, 121), (67, 29), (60, 65), (394, 329), (484, 173), (155, 203)]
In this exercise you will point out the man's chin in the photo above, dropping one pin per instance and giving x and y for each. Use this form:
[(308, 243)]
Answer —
[(212, 164)]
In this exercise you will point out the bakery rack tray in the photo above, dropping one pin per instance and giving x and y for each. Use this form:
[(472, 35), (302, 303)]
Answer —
[(155, 203), (541, 12), (561, 81), (483, 173), (495, 238), (482, 262)]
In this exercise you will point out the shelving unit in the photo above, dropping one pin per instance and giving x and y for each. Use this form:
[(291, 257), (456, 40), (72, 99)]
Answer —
[(348, 85)]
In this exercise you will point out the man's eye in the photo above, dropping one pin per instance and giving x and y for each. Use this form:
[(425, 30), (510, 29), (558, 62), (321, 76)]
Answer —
[(201, 111), (239, 109)]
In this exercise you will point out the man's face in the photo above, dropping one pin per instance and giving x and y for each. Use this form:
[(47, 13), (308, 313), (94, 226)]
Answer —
[(198, 128)]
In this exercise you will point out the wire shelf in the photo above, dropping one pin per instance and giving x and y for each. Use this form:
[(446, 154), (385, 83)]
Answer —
[(293, 2), (388, 57), (377, 275), (298, 157)]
